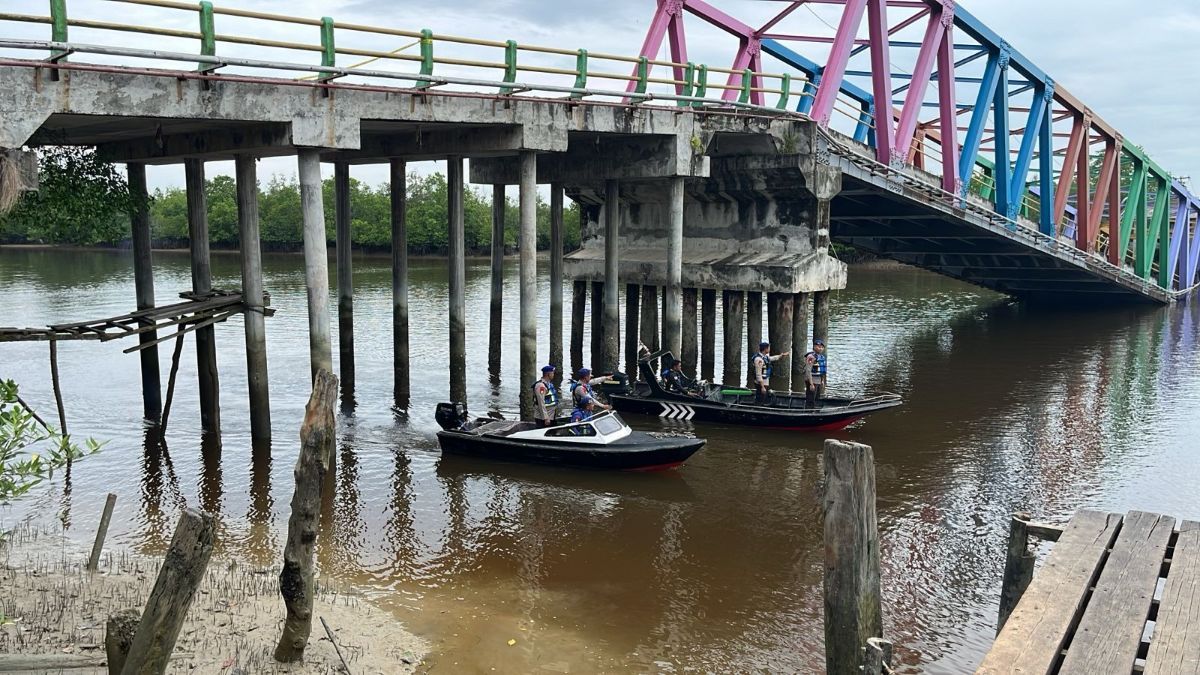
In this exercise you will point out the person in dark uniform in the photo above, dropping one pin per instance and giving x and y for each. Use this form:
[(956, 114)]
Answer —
[(675, 381)]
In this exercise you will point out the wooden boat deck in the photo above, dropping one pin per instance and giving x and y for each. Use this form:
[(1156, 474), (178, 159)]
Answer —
[(1117, 594)]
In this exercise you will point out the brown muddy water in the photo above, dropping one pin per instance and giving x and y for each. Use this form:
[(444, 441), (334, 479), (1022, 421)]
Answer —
[(715, 567)]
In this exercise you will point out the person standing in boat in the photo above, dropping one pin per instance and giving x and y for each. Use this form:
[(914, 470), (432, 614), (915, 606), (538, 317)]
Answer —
[(545, 398), (760, 365), (583, 387), (819, 369)]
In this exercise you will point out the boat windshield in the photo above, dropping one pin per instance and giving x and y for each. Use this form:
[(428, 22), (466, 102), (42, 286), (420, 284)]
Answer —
[(608, 424)]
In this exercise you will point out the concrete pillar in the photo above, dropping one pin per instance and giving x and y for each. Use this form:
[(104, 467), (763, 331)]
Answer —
[(495, 326), (799, 339), (252, 295), (316, 260), (753, 326), (556, 279), (578, 311), (779, 327), (597, 355), (633, 296), (821, 326), (143, 282), (345, 280), (458, 278), (649, 322), (687, 332), (528, 237), (672, 299), (708, 333), (612, 311), (400, 362), (732, 302), (206, 338)]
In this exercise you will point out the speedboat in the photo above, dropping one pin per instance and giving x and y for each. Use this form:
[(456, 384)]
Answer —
[(737, 405), (603, 442)]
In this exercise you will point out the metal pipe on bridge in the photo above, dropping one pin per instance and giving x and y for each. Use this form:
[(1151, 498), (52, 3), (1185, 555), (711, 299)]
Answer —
[(252, 296), (206, 339)]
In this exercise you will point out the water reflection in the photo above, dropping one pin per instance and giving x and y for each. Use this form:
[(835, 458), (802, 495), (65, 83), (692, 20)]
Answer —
[(716, 567)]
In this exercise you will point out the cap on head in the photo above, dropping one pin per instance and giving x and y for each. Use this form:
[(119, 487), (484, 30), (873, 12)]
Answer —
[(547, 369), (763, 345), (818, 343), (584, 372)]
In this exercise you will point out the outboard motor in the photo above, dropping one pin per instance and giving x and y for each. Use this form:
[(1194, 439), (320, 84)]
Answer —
[(451, 416), (618, 383)]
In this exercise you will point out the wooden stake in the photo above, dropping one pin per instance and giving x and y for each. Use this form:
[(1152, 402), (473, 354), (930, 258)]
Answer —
[(101, 532), (118, 637), (62, 415), (877, 659), (162, 427), (183, 568), (296, 580), (1018, 567)]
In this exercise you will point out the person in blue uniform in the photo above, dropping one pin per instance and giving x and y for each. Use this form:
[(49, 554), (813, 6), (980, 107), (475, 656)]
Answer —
[(545, 398), (584, 410), (760, 371), (584, 381), (819, 368)]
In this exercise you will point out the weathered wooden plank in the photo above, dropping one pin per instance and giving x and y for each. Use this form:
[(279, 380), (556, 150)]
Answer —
[(1036, 630), (1108, 636), (1175, 645)]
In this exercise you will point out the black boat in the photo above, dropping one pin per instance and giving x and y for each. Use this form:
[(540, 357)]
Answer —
[(737, 405), (603, 442)]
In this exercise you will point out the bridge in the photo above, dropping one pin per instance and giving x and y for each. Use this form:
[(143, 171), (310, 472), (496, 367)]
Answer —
[(907, 128)]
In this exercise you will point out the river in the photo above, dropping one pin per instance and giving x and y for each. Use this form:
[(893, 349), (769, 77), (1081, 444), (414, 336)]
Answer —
[(715, 567)]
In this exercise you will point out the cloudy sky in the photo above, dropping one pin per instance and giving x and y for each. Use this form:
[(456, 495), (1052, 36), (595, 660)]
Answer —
[(1133, 63)]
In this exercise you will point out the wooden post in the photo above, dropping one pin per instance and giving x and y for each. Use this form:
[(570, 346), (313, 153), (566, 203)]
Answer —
[(687, 331), (143, 283), (495, 326), (853, 611), (344, 243), (672, 336), (166, 414), (316, 260), (556, 280), (317, 436), (58, 399), (252, 297), (183, 568), (612, 317), (400, 364), (206, 339), (633, 296), (119, 631), (779, 327), (527, 198), (458, 279), (101, 532), (732, 303), (708, 333), (578, 310), (754, 324), (649, 322), (821, 328), (597, 356), (1018, 567), (799, 339), (877, 659)]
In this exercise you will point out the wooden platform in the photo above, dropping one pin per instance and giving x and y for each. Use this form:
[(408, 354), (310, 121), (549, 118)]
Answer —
[(1117, 594)]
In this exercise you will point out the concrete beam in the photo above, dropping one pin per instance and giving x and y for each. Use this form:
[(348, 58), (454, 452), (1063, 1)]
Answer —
[(593, 159), (258, 139), (430, 143)]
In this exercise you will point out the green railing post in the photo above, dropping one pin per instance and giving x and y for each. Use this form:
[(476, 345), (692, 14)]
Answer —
[(786, 87), (701, 85), (58, 27), (510, 65), (689, 73), (747, 81), (643, 74), (328, 51), (426, 58), (208, 36), (581, 72)]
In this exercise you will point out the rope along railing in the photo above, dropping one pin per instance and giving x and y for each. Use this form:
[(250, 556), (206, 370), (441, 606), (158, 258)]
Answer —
[(521, 69)]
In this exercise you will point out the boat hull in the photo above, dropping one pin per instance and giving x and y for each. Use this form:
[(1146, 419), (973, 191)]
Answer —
[(638, 452), (825, 418)]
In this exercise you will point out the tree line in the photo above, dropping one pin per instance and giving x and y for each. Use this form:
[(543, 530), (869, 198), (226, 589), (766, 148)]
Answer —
[(83, 201)]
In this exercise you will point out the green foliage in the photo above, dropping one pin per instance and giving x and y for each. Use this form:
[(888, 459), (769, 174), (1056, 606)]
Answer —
[(30, 453), (81, 201)]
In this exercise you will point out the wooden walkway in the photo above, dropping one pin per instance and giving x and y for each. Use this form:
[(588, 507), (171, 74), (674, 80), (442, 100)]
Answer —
[(1117, 594)]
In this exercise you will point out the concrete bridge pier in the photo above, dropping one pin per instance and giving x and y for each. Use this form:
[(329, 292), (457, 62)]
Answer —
[(672, 301), (458, 278), (732, 303), (246, 172), (612, 328), (597, 355), (316, 260), (708, 333), (633, 297), (400, 360), (779, 326), (495, 325), (143, 281), (556, 280), (206, 339), (345, 281), (821, 323), (754, 326), (528, 272), (799, 338), (687, 350), (649, 322), (578, 310)]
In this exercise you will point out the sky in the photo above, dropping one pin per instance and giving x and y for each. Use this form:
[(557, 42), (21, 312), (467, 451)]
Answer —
[(1133, 66)]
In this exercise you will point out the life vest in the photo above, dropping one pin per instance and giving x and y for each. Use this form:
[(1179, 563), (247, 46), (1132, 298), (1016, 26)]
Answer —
[(766, 365), (580, 415), (581, 389), (551, 397), (818, 366)]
